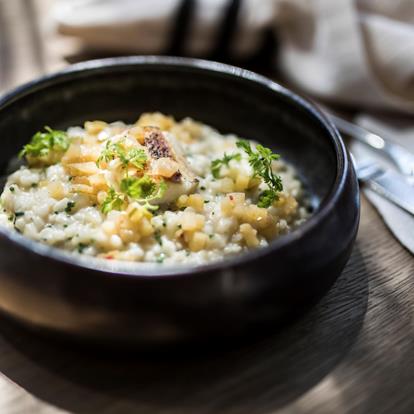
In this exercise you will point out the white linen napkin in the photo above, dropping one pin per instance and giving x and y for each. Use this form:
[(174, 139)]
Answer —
[(350, 51), (357, 52), (401, 131)]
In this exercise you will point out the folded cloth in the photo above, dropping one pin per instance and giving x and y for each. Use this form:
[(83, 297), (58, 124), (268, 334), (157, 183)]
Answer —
[(348, 51), (401, 131)]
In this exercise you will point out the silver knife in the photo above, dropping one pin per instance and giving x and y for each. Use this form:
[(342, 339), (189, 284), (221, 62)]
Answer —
[(389, 184)]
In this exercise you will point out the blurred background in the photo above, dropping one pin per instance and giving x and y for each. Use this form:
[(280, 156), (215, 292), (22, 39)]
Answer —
[(357, 53)]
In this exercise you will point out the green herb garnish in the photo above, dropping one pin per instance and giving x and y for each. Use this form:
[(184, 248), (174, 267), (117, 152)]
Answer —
[(113, 201), (109, 153), (137, 157), (261, 162), (220, 162), (19, 213), (143, 189), (47, 146), (133, 156)]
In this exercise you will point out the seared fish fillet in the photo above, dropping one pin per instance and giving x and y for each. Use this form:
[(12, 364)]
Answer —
[(167, 162)]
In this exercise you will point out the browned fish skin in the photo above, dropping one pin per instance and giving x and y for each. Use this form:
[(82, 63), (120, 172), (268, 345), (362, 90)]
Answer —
[(176, 178), (156, 143), (162, 148)]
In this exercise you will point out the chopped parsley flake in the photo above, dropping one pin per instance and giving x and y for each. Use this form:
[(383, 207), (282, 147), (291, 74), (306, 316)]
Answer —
[(160, 258), (82, 247), (14, 216), (69, 206), (157, 236)]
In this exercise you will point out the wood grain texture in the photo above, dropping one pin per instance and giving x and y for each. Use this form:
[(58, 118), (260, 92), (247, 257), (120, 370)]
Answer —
[(352, 353)]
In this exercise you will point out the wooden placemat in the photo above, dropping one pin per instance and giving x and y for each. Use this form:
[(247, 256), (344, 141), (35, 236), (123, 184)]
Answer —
[(352, 353)]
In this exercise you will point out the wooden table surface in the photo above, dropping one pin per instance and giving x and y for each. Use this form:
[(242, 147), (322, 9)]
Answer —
[(352, 353)]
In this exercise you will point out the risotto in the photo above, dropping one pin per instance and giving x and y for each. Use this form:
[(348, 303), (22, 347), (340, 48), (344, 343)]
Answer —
[(156, 191)]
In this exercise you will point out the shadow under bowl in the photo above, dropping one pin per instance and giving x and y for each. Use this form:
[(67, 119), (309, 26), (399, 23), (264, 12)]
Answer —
[(124, 303)]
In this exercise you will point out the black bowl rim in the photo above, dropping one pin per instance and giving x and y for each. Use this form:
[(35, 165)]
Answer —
[(150, 270)]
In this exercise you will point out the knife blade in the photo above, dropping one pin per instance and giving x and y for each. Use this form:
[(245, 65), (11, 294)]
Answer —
[(388, 184)]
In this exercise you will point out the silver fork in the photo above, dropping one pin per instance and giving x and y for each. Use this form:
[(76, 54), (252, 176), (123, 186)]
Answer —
[(400, 156), (387, 183)]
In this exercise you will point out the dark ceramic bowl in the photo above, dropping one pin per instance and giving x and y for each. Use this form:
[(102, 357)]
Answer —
[(125, 303)]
